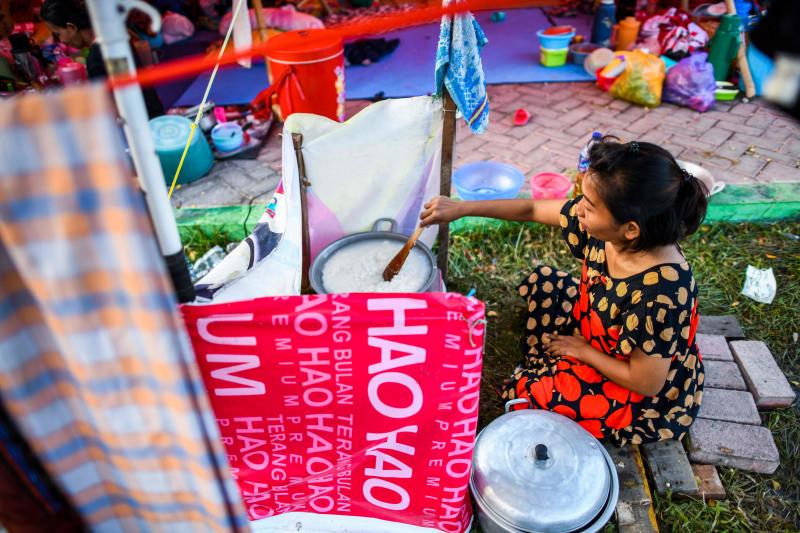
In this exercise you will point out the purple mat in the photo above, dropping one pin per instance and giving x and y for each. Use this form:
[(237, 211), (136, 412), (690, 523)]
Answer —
[(512, 56), (197, 44)]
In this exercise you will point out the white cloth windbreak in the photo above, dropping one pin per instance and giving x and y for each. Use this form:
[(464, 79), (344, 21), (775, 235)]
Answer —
[(383, 162), (242, 33)]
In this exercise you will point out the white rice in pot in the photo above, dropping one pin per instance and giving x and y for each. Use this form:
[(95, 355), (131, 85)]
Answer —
[(359, 268)]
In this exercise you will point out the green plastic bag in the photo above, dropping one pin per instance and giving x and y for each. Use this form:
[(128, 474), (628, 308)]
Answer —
[(642, 80)]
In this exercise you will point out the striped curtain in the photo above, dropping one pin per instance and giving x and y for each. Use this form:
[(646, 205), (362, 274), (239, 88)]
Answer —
[(95, 368)]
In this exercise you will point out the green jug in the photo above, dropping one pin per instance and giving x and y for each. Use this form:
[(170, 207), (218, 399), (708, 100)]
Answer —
[(724, 46)]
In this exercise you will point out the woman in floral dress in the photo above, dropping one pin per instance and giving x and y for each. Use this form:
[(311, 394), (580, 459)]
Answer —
[(614, 350)]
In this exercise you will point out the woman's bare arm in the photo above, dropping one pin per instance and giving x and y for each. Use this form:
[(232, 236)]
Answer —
[(442, 209)]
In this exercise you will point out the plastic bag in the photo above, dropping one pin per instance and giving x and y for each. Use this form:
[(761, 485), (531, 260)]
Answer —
[(284, 18), (642, 80), (675, 32), (691, 83), (760, 285), (175, 28)]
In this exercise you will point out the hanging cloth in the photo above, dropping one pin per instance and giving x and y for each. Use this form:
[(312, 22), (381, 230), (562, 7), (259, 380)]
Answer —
[(459, 69), (95, 367)]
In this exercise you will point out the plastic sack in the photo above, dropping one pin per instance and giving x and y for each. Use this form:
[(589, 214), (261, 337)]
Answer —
[(760, 284), (175, 28), (642, 80), (284, 18), (346, 412), (675, 32), (691, 83)]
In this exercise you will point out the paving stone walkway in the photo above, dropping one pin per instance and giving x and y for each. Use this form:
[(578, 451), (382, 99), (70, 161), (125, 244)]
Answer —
[(728, 430), (740, 143)]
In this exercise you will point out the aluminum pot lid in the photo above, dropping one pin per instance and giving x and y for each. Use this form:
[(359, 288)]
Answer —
[(540, 471)]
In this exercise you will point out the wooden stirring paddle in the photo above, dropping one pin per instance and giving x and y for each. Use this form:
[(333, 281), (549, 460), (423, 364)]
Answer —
[(394, 266)]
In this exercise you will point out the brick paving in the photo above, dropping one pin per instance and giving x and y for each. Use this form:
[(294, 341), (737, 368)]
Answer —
[(764, 377), (713, 347), (741, 446), (727, 431), (729, 406), (741, 143), (723, 375)]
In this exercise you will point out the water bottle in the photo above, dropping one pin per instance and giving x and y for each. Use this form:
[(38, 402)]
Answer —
[(724, 46), (26, 57), (206, 263), (583, 158), (583, 161), (604, 20)]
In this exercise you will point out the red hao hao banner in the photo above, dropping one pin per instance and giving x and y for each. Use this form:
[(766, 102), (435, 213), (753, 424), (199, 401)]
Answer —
[(361, 405)]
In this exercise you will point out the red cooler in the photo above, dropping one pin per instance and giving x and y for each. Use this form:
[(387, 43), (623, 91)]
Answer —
[(307, 68)]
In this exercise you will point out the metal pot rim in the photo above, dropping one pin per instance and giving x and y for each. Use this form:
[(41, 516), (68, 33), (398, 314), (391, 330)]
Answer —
[(595, 524), (606, 499), (315, 272)]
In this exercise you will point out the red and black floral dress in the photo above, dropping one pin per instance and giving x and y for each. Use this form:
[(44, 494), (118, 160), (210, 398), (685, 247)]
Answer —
[(655, 311)]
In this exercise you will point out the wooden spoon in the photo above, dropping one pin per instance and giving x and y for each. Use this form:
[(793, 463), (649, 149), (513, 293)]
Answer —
[(394, 266)]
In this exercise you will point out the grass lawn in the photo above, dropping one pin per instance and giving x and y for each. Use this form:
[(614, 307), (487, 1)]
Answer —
[(493, 258)]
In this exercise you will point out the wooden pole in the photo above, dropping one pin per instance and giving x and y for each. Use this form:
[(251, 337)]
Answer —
[(327, 7), (448, 142), (297, 141), (262, 31), (741, 58), (446, 169)]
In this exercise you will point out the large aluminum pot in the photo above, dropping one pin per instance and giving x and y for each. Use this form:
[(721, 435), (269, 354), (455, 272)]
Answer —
[(376, 234), (538, 471)]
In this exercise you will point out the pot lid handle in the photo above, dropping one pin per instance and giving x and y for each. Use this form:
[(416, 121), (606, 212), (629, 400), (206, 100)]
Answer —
[(376, 226), (510, 403), (540, 452)]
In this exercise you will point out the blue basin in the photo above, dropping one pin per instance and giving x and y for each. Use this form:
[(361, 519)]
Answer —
[(487, 180)]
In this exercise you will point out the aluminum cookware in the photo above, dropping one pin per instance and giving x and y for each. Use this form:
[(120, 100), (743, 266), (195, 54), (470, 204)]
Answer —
[(538, 471), (376, 234)]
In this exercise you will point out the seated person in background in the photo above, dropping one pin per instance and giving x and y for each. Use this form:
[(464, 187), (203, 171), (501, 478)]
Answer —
[(15, 12), (69, 22), (616, 350)]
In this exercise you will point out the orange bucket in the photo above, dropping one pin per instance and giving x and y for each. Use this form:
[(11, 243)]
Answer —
[(307, 67)]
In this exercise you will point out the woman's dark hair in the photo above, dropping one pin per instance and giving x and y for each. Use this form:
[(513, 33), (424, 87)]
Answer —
[(62, 12), (641, 182)]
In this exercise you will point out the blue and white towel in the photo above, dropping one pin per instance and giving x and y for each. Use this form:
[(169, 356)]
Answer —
[(458, 67)]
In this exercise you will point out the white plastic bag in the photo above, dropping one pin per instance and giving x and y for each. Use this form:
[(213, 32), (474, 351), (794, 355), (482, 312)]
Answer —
[(175, 27), (284, 18), (760, 285)]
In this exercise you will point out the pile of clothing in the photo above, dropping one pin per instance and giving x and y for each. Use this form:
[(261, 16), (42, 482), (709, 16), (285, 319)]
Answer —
[(674, 33), (368, 51)]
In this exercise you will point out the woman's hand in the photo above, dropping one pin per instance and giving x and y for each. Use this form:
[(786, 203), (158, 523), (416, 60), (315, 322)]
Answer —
[(560, 345), (642, 374), (441, 209)]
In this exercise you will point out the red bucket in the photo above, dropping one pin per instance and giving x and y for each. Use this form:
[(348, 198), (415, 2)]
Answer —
[(307, 67)]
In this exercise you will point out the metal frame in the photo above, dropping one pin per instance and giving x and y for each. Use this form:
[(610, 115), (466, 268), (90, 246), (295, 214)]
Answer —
[(108, 21)]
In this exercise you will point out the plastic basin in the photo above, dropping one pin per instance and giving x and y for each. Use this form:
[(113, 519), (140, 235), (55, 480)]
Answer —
[(487, 180), (227, 136), (597, 60), (553, 58), (170, 133), (557, 41), (547, 185), (580, 51)]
